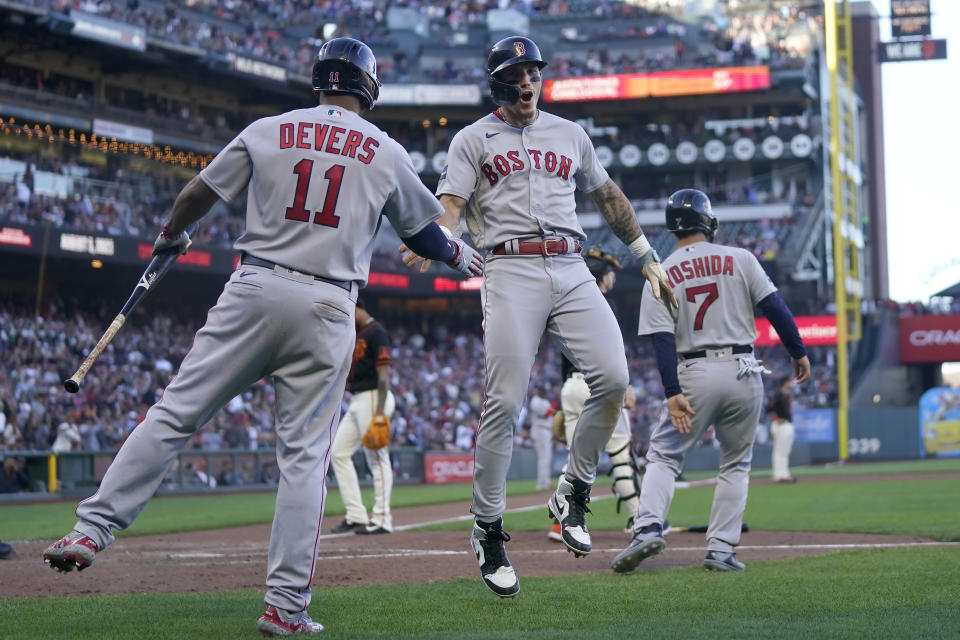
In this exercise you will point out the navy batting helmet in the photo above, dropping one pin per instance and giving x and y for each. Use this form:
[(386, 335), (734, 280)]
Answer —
[(506, 53), (690, 210), (346, 65)]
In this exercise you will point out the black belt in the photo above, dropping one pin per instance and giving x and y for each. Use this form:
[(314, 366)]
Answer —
[(739, 348), (259, 262)]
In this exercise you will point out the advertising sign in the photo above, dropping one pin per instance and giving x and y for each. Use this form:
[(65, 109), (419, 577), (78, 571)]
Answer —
[(813, 330), (815, 425), (631, 86), (447, 468), (930, 338), (940, 422)]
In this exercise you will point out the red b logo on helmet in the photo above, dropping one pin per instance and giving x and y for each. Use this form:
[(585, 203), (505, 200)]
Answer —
[(520, 49)]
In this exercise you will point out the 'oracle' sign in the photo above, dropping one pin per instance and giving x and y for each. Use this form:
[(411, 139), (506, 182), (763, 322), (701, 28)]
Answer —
[(448, 467), (930, 338)]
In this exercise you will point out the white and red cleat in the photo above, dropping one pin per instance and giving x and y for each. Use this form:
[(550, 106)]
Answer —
[(72, 550), (277, 622)]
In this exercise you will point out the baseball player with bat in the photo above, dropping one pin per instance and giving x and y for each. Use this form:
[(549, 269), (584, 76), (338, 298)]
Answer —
[(717, 380), (158, 267), (318, 181), (514, 173)]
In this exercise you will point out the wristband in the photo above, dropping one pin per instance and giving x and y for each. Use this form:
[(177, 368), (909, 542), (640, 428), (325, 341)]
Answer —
[(450, 233), (642, 251)]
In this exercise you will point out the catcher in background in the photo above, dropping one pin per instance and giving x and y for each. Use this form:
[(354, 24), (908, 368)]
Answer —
[(574, 394), (366, 422)]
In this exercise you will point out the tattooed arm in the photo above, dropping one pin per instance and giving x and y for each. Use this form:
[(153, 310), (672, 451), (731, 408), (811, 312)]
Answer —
[(619, 214), (617, 211)]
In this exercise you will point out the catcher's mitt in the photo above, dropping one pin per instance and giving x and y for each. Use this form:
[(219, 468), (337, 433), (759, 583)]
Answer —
[(377, 435), (559, 431), (597, 253)]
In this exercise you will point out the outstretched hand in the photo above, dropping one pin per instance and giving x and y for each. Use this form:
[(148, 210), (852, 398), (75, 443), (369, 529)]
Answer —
[(662, 291), (410, 259)]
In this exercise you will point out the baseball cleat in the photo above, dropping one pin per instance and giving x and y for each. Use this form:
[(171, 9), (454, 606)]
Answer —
[(556, 533), (487, 542), (6, 551), (568, 505), (722, 561), (646, 542), (277, 622), (72, 550), (371, 529), (346, 527)]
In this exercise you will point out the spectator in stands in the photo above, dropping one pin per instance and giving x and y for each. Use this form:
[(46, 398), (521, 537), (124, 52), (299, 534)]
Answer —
[(14, 478)]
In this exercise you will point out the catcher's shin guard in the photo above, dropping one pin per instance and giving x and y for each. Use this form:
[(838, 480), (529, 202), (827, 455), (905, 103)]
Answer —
[(626, 474)]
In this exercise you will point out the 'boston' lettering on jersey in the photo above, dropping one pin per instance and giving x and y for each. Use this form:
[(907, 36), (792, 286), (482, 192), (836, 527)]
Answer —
[(504, 166), (311, 135), (699, 267)]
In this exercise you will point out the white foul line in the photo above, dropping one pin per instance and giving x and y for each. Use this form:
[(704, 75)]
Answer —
[(404, 553)]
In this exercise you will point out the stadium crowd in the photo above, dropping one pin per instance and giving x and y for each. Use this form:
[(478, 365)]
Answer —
[(437, 380), (286, 33)]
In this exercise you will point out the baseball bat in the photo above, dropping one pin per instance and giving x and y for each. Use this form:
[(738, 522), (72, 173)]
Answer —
[(702, 528), (158, 267)]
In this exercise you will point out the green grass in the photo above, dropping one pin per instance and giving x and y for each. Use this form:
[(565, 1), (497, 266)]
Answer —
[(166, 514), (927, 507), (919, 507), (903, 593)]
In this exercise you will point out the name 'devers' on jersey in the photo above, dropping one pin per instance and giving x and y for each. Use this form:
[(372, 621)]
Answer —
[(311, 135), (700, 267)]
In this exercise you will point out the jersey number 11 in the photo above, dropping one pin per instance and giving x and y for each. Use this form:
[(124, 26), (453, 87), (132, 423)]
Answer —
[(325, 216)]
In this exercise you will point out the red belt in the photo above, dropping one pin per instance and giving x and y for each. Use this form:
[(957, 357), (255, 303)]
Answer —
[(542, 247)]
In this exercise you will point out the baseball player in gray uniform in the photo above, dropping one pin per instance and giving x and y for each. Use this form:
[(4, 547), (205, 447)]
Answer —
[(513, 174), (318, 181), (717, 380)]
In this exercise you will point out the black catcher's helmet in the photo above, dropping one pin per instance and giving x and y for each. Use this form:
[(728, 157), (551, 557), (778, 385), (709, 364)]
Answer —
[(690, 210), (346, 65), (506, 53)]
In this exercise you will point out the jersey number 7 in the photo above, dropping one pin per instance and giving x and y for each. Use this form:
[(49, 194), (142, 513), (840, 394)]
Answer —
[(712, 295), (325, 216)]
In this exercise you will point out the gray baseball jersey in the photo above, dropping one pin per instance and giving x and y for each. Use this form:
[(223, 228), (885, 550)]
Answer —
[(713, 284), (717, 288), (309, 166), (520, 182), (319, 180)]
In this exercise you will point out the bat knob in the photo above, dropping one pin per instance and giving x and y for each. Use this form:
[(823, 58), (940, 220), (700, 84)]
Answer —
[(71, 385)]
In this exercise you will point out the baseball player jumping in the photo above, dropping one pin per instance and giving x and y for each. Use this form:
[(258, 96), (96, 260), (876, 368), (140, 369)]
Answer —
[(318, 181), (372, 400), (717, 381), (513, 174)]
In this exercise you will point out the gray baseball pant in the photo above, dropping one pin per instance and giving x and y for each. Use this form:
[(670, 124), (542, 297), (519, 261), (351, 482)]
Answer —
[(732, 406), (297, 330), (522, 296)]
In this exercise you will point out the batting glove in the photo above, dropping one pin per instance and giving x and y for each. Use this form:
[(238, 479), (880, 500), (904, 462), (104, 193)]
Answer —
[(167, 241), (466, 260), (657, 278)]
